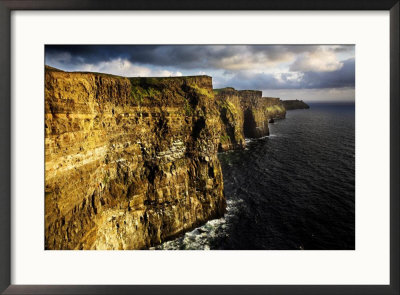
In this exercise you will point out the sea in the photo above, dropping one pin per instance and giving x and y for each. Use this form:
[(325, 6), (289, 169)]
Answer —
[(291, 190)]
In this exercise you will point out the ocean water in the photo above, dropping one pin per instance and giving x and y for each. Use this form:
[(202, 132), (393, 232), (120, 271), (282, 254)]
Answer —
[(291, 190)]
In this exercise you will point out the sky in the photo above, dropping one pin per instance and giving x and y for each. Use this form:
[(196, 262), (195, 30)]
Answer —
[(307, 72)]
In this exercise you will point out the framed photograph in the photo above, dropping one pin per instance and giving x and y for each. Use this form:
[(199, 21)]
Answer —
[(197, 147)]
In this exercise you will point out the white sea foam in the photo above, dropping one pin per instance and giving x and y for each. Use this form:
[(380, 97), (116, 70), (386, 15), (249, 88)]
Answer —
[(201, 238)]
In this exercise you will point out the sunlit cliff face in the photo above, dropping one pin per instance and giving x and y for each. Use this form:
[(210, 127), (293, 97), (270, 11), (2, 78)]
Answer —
[(128, 162), (309, 72), (132, 162)]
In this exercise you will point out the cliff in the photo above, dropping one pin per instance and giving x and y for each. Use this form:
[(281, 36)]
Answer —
[(232, 119), (245, 113), (274, 108), (129, 163), (295, 104)]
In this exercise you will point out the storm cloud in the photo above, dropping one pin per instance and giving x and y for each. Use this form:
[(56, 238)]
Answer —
[(342, 77), (239, 66)]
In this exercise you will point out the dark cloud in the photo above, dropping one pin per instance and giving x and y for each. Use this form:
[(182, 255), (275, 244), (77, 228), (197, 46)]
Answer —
[(344, 77), (92, 54), (182, 56), (343, 48)]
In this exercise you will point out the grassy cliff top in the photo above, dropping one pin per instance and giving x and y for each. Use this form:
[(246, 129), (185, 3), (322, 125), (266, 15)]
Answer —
[(249, 90), (218, 90), (49, 68)]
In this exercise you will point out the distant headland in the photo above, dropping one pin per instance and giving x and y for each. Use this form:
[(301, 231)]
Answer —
[(295, 104)]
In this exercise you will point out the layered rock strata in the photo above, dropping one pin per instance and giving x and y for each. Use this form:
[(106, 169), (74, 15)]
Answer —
[(129, 163), (245, 113), (295, 104), (132, 162)]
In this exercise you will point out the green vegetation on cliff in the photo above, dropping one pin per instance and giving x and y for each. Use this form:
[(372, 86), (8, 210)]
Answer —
[(231, 117), (169, 91)]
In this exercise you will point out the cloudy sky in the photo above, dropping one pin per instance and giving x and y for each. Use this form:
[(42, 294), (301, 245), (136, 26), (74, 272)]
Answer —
[(308, 72)]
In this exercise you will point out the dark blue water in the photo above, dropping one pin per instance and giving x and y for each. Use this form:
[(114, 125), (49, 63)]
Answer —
[(291, 190)]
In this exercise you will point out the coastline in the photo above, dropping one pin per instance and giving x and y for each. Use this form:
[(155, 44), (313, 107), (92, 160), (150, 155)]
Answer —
[(132, 162)]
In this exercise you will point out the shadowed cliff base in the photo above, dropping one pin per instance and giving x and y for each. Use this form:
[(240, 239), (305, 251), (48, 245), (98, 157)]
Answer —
[(132, 162)]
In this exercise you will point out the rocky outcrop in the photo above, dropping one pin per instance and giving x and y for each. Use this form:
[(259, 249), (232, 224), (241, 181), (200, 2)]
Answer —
[(295, 104), (245, 113), (274, 108), (255, 119), (232, 119), (129, 163)]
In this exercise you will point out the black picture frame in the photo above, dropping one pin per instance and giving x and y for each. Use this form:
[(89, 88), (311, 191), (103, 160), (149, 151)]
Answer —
[(6, 7)]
